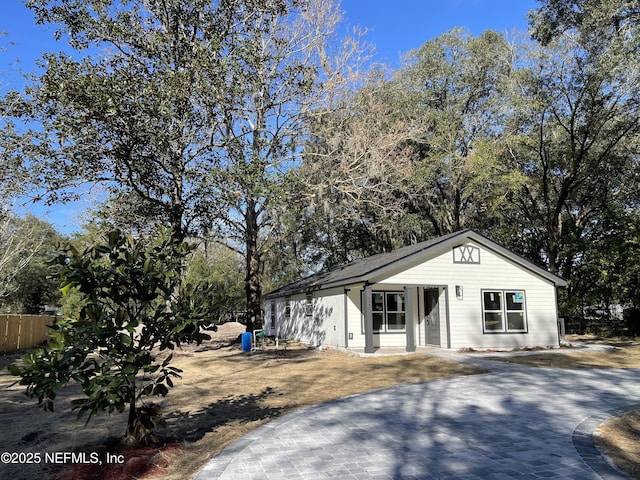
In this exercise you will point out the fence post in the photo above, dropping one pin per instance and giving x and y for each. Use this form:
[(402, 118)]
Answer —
[(13, 333), (4, 326)]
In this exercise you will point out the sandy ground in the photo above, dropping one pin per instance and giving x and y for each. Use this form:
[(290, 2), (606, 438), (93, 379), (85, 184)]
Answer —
[(224, 393)]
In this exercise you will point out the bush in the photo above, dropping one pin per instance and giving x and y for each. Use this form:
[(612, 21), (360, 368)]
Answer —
[(135, 303)]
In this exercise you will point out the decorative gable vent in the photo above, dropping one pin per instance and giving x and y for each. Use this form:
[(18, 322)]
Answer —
[(466, 254)]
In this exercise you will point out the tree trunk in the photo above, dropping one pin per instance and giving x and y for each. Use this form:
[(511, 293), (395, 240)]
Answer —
[(132, 434), (253, 284)]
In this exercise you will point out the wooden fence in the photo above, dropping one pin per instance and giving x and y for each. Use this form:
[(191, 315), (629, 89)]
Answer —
[(18, 332)]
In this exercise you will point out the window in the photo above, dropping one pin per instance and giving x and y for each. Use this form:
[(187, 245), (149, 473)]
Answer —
[(272, 314), (287, 307), (504, 311), (388, 311), (308, 306)]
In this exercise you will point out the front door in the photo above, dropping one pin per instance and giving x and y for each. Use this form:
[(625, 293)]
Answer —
[(432, 315)]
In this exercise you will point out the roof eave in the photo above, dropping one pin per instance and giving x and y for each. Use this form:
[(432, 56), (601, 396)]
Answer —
[(447, 242)]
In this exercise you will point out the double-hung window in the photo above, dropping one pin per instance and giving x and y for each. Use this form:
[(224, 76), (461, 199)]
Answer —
[(388, 312), (504, 311), (287, 307), (272, 314), (308, 305)]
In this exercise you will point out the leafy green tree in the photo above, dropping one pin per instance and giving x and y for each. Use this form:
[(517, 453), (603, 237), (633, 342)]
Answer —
[(133, 110), (457, 84), (599, 22), (409, 157), (607, 272), (137, 307), (572, 135), (286, 63), (220, 270), (187, 111)]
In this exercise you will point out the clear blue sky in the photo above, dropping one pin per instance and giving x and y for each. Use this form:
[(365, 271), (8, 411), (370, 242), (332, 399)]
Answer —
[(394, 27), (397, 26)]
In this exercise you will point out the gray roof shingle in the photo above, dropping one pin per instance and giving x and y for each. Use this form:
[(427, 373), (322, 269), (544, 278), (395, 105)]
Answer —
[(354, 270), (361, 270)]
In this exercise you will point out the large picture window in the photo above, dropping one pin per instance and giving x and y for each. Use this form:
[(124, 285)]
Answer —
[(504, 311), (388, 310)]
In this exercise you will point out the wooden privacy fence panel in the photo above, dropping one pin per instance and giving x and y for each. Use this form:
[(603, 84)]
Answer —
[(18, 332)]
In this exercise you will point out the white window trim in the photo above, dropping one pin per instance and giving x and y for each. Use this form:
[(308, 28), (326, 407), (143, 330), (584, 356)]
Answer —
[(386, 312), (505, 313), (308, 305)]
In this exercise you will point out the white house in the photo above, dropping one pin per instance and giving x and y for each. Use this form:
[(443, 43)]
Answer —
[(456, 291)]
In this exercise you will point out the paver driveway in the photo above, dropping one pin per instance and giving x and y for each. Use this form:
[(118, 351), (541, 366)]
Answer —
[(516, 422)]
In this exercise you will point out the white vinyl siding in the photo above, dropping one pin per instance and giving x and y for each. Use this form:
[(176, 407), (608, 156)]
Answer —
[(497, 273), (461, 320), (316, 319)]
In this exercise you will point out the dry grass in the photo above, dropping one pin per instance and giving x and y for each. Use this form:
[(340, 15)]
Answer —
[(224, 393), (624, 354), (620, 439)]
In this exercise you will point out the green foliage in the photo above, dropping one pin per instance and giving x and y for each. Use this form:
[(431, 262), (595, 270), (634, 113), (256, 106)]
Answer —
[(412, 156), (71, 303), (599, 22), (534, 145), (26, 245), (188, 112), (136, 306), (457, 84), (220, 270), (608, 269)]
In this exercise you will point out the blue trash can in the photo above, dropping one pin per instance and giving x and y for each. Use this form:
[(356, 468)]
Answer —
[(246, 342)]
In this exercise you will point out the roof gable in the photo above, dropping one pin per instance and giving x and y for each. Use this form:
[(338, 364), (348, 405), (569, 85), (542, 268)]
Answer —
[(361, 271)]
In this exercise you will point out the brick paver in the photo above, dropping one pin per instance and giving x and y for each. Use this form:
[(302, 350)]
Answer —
[(515, 422)]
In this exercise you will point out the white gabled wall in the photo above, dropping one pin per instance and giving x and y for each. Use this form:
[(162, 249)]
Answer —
[(465, 316), (325, 325)]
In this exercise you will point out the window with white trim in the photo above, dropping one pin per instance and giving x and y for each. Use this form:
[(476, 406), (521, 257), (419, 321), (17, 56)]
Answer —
[(388, 311), (272, 314), (308, 306), (504, 311), (287, 307)]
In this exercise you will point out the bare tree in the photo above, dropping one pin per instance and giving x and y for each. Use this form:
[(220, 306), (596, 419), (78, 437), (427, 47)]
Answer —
[(20, 240)]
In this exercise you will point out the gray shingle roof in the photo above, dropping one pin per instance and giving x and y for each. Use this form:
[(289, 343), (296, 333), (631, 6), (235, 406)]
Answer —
[(361, 270), (353, 271)]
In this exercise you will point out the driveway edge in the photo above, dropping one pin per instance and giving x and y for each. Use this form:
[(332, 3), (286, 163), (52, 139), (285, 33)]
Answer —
[(594, 456)]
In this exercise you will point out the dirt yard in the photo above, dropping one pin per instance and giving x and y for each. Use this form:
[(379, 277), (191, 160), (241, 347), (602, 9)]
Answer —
[(223, 394)]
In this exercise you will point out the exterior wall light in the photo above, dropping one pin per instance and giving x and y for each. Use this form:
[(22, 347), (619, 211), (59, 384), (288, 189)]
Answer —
[(459, 293)]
